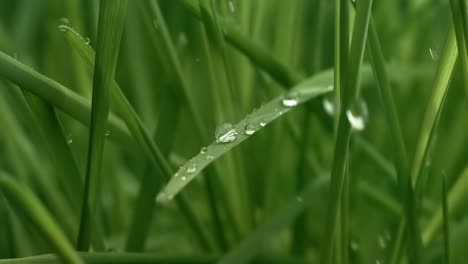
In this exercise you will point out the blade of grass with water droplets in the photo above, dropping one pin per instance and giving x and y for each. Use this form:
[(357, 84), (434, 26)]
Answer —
[(143, 138), (348, 94), (110, 29), (23, 200), (59, 96), (280, 219), (309, 89)]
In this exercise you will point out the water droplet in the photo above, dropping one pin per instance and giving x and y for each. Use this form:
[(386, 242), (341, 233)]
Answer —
[(225, 133), (290, 99), (262, 124), (357, 114), (107, 133), (87, 40), (329, 104), (434, 55), (299, 199), (354, 245), (182, 39), (209, 157), (155, 24), (382, 242), (69, 141), (192, 168), (232, 8), (183, 178), (203, 150), (64, 21), (249, 129)]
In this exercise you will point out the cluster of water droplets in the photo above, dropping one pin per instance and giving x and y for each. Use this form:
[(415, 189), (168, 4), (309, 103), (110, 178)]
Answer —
[(357, 114), (225, 133)]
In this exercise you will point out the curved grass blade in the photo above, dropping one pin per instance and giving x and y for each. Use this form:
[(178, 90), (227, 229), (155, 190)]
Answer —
[(309, 89), (348, 94), (142, 137), (456, 199), (147, 258), (283, 217), (25, 201), (59, 96), (110, 29)]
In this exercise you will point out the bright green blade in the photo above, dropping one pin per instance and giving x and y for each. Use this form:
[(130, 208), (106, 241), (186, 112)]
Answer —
[(236, 134)]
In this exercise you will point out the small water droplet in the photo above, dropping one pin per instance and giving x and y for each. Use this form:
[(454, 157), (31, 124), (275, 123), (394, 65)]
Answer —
[(357, 114), (87, 41), (434, 55), (107, 133), (182, 39), (232, 8), (69, 141), (290, 99), (209, 157), (354, 245), (203, 150), (155, 24), (183, 178), (329, 104), (192, 168), (382, 242), (249, 129), (299, 198), (225, 133)]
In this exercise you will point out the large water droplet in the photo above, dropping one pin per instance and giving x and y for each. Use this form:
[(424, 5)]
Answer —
[(434, 55), (249, 129), (203, 150), (357, 114), (225, 133), (291, 99), (232, 8), (329, 104), (192, 168)]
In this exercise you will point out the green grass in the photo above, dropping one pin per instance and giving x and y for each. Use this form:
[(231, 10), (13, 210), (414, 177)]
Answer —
[(113, 148)]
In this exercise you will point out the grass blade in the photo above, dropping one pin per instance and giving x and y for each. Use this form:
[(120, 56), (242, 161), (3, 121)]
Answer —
[(283, 217), (317, 85), (111, 23), (25, 201), (151, 150), (459, 17), (59, 96), (348, 94), (446, 220), (400, 153)]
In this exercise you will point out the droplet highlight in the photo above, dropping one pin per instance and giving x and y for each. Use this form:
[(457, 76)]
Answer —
[(249, 129), (357, 114), (225, 133), (291, 99)]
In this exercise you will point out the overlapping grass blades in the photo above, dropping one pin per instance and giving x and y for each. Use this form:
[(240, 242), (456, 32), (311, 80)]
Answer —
[(309, 89), (25, 201), (111, 23)]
